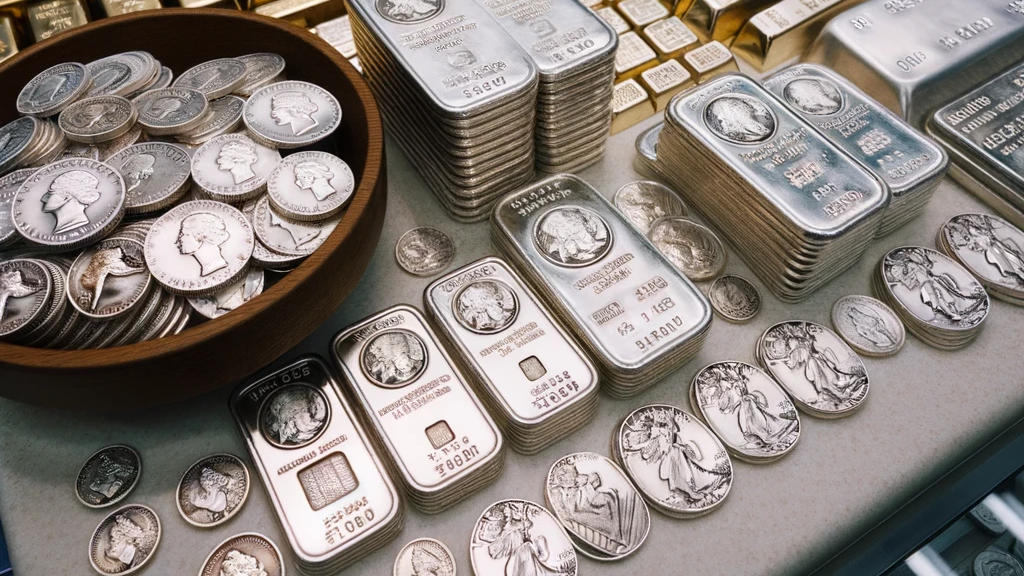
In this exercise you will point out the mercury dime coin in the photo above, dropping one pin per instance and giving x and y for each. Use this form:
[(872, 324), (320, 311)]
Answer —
[(9, 185), (734, 298), (109, 278), (572, 236), (125, 540), (69, 204), (25, 289), (868, 326), (171, 110), (310, 186), (485, 306), (425, 556), (15, 139), (199, 247), (294, 415), (291, 114), (215, 78), (511, 534), (393, 358), (424, 251), (225, 115), (995, 562), (156, 175), (233, 168), (213, 490), (990, 247), (226, 300), (108, 476), (643, 202), (247, 554), (260, 69), (935, 289), (286, 236), (97, 119), (692, 248), (53, 89)]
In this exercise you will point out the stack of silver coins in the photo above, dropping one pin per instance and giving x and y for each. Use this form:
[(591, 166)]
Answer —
[(331, 492), (637, 317), (441, 442), (991, 248), (906, 161), (574, 52), (535, 380), (799, 210), (457, 93), (938, 300)]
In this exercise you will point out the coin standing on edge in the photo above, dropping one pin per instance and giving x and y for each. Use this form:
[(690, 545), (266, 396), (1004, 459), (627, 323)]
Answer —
[(692, 248), (108, 476), (291, 114), (310, 185), (868, 325), (734, 298), (213, 490), (424, 251), (425, 556), (644, 201), (125, 540)]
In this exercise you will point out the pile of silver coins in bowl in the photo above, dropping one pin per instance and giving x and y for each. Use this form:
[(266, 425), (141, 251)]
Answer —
[(133, 202)]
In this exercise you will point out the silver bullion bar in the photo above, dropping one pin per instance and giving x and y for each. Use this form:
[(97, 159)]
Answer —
[(330, 491), (433, 426), (525, 362), (916, 55), (632, 310), (456, 53)]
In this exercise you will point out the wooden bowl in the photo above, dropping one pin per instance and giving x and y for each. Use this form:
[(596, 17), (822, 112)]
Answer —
[(218, 352)]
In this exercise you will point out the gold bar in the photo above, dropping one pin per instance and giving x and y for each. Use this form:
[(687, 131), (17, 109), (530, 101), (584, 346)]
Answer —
[(781, 32), (630, 105), (670, 37), (679, 7), (710, 60), (118, 7), (721, 19), (228, 4), (338, 33), (633, 56), (613, 19), (52, 17), (642, 12), (665, 81), (303, 11), (8, 38)]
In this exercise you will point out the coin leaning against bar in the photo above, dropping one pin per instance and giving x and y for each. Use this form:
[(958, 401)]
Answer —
[(642, 202), (868, 326), (97, 119), (424, 251), (425, 556), (155, 174), (734, 298), (53, 89), (244, 554), (692, 248), (310, 186), (233, 167), (171, 110), (108, 476), (291, 114), (125, 540), (213, 490), (215, 78), (109, 278)]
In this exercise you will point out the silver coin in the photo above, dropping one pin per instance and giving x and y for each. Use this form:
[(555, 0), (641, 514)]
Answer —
[(109, 278), (117, 75), (25, 289), (286, 236), (291, 114), (294, 415), (215, 78), (734, 298), (424, 251), (423, 557), (572, 236), (935, 289), (97, 119), (199, 247), (995, 562), (213, 490), (225, 114), (260, 69), (740, 119), (868, 326), (247, 554), (9, 185), (171, 110), (485, 306), (643, 202), (692, 248), (990, 247), (163, 79), (597, 505), (310, 186), (263, 256), (517, 536), (53, 89), (233, 168), (230, 298), (393, 357), (155, 175), (69, 204), (15, 139), (79, 150), (111, 147), (108, 476), (125, 540)]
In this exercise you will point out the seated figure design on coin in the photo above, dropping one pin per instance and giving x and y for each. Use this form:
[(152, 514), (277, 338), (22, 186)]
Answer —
[(394, 358), (137, 170), (237, 157), (740, 119), (913, 269), (68, 197), (104, 263), (294, 416), (241, 564), (814, 96), (294, 109), (409, 11), (126, 539), (200, 236), (486, 306), (91, 115), (572, 236), (13, 285), (315, 177)]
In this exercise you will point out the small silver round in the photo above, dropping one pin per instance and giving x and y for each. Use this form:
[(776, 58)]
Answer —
[(311, 185), (424, 251), (425, 556), (125, 540), (213, 490), (868, 326), (734, 298), (692, 248), (533, 529), (156, 175), (53, 89), (230, 298), (642, 202), (97, 119), (233, 168), (291, 114), (173, 110), (215, 78), (261, 69), (244, 554), (108, 476), (109, 279)]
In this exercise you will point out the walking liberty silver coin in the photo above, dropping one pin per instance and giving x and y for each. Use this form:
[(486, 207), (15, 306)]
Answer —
[(424, 251), (108, 476), (991, 248), (247, 554), (53, 89), (125, 540), (425, 556), (518, 536), (868, 326), (291, 114), (734, 298), (312, 185), (213, 490)]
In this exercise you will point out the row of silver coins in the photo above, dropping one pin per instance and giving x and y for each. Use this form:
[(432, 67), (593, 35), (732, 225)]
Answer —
[(439, 439), (938, 300), (906, 161), (574, 52), (989, 247), (330, 490), (798, 209), (536, 381), (637, 317)]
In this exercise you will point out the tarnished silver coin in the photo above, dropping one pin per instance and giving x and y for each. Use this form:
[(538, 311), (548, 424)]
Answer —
[(291, 114), (287, 236), (868, 326), (225, 114), (734, 298), (424, 251), (605, 516), (247, 554), (261, 69), (9, 185), (125, 540), (520, 537), (995, 562), (199, 247), (53, 89), (215, 78), (25, 289), (156, 175), (97, 119), (171, 110), (69, 204), (108, 476), (213, 490), (109, 278), (679, 466), (991, 248), (16, 138), (233, 168), (644, 201), (310, 186), (692, 248), (226, 300), (118, 74), (425, 556), (572, 236)]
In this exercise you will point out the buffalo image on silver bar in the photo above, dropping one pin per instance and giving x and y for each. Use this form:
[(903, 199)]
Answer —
[(486, 306)]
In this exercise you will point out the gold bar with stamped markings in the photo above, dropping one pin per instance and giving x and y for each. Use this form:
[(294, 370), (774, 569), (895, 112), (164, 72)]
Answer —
[(633, 56), (630, 105), (710, 60), (52, 17), (781, 32), (665, 81), (670, 37), (721, 19), (228, 4)]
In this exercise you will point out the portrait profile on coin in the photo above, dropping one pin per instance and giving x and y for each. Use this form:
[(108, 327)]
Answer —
[(137, 170), (91, 115), (200, 236), (237, 157), (112, 472), (161, 108), (241, 564), (104, 263), (294, 109), (572, 236), (13, 285), (740, 119), (211, 492), (315, 177), (394, 357), (128, 540), (814, 96), (409, 11), (67, 198), (294, 415), (486, 306)]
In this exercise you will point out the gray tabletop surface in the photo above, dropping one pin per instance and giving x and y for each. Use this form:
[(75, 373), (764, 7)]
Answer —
[(927, 408)]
